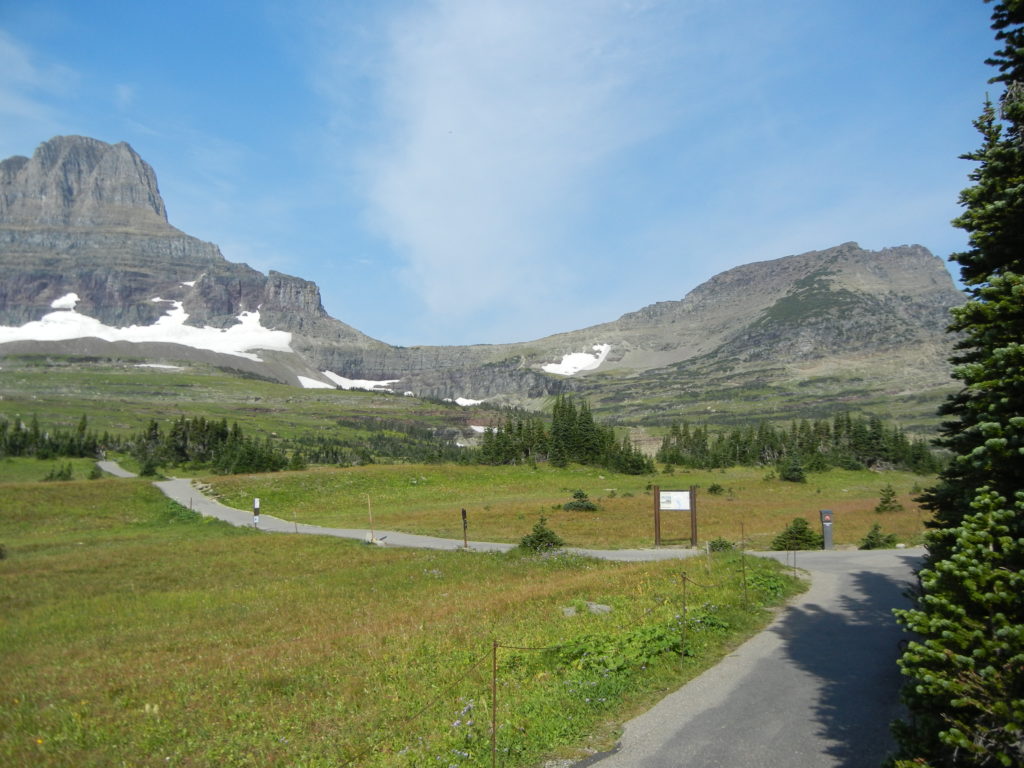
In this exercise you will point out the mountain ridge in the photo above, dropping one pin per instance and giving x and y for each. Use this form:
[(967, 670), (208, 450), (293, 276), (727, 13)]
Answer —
[(86, 217)]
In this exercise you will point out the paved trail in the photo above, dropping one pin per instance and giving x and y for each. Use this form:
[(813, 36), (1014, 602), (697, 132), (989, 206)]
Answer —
[(183, 492), (816, 689)]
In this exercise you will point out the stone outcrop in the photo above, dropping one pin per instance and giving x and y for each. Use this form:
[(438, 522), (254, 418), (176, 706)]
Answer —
[(74, 181)]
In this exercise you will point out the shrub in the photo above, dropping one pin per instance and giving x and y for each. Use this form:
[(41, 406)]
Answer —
[(878, 540), (715, 489), (63, 472), (792, 471), (721, 545), (798, 535), (541, 538), (580, 502)]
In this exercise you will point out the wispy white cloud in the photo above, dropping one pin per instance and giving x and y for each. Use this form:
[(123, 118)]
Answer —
[(27, 88), (497, 115), (124, 95)]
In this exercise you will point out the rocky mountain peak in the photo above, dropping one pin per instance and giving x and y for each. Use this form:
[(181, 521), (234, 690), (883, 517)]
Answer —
[(79, 182)]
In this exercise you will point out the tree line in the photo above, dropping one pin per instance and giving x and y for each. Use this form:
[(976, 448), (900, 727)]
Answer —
[(845, 442), (572, 437), (30, 439)]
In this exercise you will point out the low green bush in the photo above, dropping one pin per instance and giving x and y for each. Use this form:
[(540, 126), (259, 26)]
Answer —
[(580, 502), (875, 539), (541, 538), (797, 535)]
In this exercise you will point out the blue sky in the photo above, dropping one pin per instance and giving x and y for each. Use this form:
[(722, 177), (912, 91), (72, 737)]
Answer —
[(485, 171)]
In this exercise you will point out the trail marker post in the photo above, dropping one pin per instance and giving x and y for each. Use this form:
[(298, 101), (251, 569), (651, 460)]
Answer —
[(256, 512), (826, 528), (465, 527)]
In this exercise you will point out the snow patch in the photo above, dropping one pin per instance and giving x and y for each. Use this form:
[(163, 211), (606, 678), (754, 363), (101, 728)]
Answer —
[(478, 428), (372, 386), (189, 283), (308, 383), (579, 361), (67, 301), (162, 366), (66, 324), (463, 401)]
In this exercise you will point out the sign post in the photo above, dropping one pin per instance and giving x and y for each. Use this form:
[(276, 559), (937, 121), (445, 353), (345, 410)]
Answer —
[(465, 527), (826, 528), (256, 512), (657, 515), (682, 501)]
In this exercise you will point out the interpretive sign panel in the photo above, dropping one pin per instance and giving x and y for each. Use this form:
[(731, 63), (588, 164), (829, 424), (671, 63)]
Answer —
[(674, 500)]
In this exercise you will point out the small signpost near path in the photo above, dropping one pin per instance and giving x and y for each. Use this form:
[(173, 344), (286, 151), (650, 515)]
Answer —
[(672, 501)]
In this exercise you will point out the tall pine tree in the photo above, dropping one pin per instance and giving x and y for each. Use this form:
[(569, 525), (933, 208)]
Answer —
[(966, 667)]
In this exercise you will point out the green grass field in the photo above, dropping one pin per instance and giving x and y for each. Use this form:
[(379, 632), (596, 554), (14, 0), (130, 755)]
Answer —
[(502, 503), (136, 633)]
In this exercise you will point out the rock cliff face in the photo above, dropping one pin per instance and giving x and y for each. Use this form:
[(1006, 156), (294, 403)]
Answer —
[(842, 325), (74, 181), (86, 217)]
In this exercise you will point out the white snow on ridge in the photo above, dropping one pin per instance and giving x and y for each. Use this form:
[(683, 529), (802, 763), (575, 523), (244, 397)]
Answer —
[(67, 301), (579, 361), (66, 324), (463, 401), (372, 386), (308, 383)]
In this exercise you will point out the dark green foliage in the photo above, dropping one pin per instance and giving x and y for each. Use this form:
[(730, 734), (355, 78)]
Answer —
[(580, 503), (797, 535), (59, 473), (845, 442), (613, 652), (20, 439), (721, 545), (875, 539), (574, 436), (966, 669), (967, 663), (887, 501), (541, 538), (792, 470), (715, 489)]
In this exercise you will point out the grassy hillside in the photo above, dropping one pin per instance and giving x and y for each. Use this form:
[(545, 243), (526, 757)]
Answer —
[(136, 634), (123, 397)]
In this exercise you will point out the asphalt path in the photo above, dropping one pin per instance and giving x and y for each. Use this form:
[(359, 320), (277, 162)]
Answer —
[(185, 493), (818, 688)]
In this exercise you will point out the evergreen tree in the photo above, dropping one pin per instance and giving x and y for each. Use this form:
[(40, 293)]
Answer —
[(887, 501), (966, 689), (797, 535), (967, 698)]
